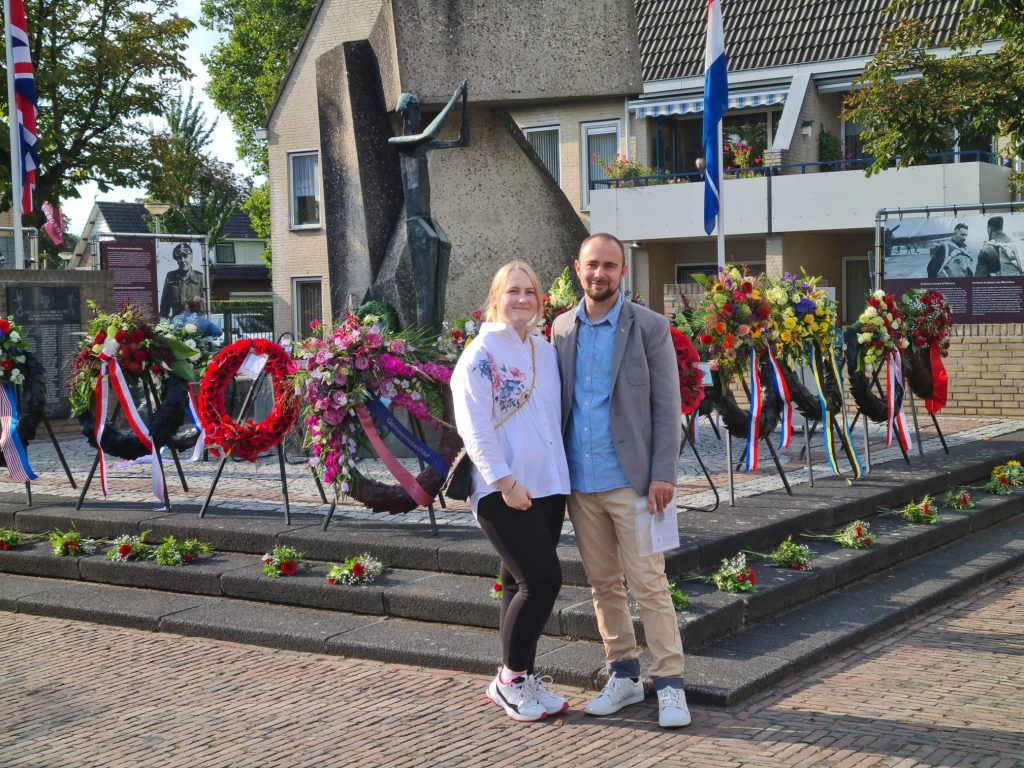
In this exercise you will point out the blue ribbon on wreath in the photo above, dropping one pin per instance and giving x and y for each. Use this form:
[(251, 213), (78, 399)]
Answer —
[(384, 416)]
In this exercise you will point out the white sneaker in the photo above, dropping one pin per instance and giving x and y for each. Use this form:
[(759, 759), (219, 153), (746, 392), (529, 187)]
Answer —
[(553, 703), (618, 693), (672, 710), (517, 699)]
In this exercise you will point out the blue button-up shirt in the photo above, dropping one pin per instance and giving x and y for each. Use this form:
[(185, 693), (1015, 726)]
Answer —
[(593, 465)]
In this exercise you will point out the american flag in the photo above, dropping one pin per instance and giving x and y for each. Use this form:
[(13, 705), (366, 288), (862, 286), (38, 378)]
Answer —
[(25, 100)]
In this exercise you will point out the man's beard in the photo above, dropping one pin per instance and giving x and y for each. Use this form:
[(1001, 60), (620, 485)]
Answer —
[(601, 295)]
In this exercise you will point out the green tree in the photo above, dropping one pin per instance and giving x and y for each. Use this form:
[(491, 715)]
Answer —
[(970, 92), (246, 68), (203, 193), (101, 67)]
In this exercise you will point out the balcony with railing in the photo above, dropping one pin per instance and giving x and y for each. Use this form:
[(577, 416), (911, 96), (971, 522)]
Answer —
[(794, 197)]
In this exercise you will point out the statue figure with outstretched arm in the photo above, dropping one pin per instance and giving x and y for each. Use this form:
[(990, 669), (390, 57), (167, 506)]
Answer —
[(429, 248)]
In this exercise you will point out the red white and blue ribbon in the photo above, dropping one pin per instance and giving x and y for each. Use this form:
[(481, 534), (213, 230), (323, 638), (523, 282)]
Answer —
[(894, 396), (109, 364), (10, 443), (756, 401), (786, 427), (193, 414)]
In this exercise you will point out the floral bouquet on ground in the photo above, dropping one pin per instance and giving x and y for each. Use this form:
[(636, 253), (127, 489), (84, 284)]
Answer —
[(174, 553), (734, 318), (358, 362), (1013, 471), (679, 599), (788, 554), (282, 561), (71, 544), (130, 548), (929, 319), (457, 335), (802, 313), (13, 346), (880, 329), (561, 298), (734, 575), (496, 590), (920, 512), (127, 337), (958, 498), (856, 535), (10, 539), (361, 569)]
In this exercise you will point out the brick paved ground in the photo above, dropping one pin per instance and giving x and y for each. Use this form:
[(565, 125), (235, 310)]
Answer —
[(946, 690)]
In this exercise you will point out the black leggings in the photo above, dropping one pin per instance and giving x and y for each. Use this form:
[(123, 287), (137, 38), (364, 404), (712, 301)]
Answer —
[(530, 573)]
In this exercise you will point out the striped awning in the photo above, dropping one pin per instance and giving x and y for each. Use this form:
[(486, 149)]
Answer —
[(695, 106)]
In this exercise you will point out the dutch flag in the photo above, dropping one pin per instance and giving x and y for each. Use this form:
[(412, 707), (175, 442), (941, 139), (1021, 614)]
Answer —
[(716, 99)]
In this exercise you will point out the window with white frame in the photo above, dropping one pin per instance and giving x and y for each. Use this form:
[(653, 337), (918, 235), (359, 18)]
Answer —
[(600, 144), (545, 142), (307, 294), (304, 175), (225, 253)]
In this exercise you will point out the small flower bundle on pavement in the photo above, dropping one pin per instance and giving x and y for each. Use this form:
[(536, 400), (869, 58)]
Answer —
[(130, 548), (679, 599), (282, 561), (10, 539), (920, 512), (174, 553), (496, 589), (71, 544), (958, 498), (788, 554), (734, 575), (856, 535), (1013, 471), (361, 569), (1000, 483)]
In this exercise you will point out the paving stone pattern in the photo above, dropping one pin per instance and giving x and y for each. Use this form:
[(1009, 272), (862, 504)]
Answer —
[(944, 690)]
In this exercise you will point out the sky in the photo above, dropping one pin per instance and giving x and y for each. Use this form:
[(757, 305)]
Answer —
[(222, 146)]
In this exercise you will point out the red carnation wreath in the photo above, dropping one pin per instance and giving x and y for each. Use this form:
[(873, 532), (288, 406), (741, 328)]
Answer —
[(691, 377), (249, 439)]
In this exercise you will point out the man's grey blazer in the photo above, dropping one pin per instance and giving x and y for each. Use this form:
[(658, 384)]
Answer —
[(644, 408)]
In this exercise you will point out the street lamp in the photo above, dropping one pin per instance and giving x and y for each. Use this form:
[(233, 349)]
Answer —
[(156, 210)]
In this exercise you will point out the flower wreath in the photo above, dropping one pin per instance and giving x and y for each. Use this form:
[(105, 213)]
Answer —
[(249, 439), (929, 320), (691, 387), (19, 368)]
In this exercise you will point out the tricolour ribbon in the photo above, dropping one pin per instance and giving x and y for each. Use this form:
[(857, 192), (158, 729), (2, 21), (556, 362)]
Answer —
[(109, 365), (193, 414), (940, 381), (400, 473), (10, 443), (755, 414), (894, 393), (786, 427)]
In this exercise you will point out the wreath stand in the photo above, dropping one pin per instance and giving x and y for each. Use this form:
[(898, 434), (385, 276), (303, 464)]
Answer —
[(767, 441), (873, 384), (247, 405), (417, 427), (688, 439), (149, 391), (19, 395), (917, 429)]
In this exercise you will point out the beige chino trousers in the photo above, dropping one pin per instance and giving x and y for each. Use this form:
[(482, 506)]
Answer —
[(605, 528)]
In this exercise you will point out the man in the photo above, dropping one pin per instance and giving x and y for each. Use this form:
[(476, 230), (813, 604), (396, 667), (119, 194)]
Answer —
[(182, 284), (621, 422), (950, 258), (1000, 256)]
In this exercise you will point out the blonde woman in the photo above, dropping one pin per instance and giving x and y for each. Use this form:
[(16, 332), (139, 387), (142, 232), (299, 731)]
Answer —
[(507, 397)]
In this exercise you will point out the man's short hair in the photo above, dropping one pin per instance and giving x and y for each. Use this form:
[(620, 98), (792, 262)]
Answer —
[(606, 237), (182, 250), (996, 223), (959, 226)]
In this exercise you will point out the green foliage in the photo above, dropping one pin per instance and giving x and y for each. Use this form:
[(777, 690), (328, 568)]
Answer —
[(679, 599), (176, 553), (202, 192), (829, 146), (975, 94), (101, 68), (257, 206)]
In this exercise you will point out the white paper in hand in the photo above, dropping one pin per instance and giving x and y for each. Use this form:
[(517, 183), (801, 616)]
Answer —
[(656, 533), (252, 365)]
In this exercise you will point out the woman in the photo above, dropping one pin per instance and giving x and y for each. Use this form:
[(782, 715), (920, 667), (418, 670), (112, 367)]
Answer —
[(508, 411)]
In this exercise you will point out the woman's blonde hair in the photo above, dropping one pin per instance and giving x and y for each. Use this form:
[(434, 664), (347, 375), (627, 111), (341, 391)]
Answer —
[(498, 287)]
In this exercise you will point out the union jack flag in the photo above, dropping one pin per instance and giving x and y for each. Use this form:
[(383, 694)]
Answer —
[(26, 103)]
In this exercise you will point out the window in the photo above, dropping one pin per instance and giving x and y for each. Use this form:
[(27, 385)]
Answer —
[(307, 293), (600, 142), (225, 253), (303, 173), (545, 143), (856, 286), (685, 272)]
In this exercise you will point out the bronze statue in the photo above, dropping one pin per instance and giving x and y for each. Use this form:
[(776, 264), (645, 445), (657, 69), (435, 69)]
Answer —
[(429, 248)]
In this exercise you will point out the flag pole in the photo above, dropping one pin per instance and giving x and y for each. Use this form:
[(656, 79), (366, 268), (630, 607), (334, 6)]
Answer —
[(721, 204), (16, 159)]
